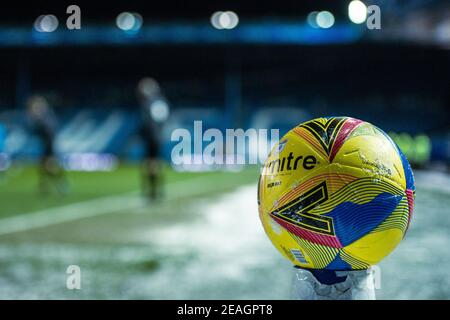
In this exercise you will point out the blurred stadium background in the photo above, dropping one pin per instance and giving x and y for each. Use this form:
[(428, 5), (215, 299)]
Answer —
[(265, 65)]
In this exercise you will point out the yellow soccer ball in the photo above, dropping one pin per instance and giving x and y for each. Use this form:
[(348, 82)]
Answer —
[(336, 193)]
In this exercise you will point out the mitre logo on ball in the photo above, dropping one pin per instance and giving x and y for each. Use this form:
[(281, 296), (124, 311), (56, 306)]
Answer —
[(290, 162)]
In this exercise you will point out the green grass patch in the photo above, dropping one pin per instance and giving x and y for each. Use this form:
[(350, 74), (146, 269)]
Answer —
[(19, 187)]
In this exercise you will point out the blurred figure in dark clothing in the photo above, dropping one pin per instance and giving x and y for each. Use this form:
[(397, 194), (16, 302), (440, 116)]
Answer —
[(154, 111), (43, 124)]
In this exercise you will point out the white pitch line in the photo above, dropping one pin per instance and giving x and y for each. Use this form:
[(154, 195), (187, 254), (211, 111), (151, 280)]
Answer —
[(95, 207), (70, 212)]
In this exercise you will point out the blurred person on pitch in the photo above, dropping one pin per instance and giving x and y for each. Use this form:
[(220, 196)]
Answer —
[(42, 122), (154, 111)]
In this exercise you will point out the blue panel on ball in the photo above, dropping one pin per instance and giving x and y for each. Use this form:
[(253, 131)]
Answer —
[(409, 177), (338, 264), (352, 221)]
